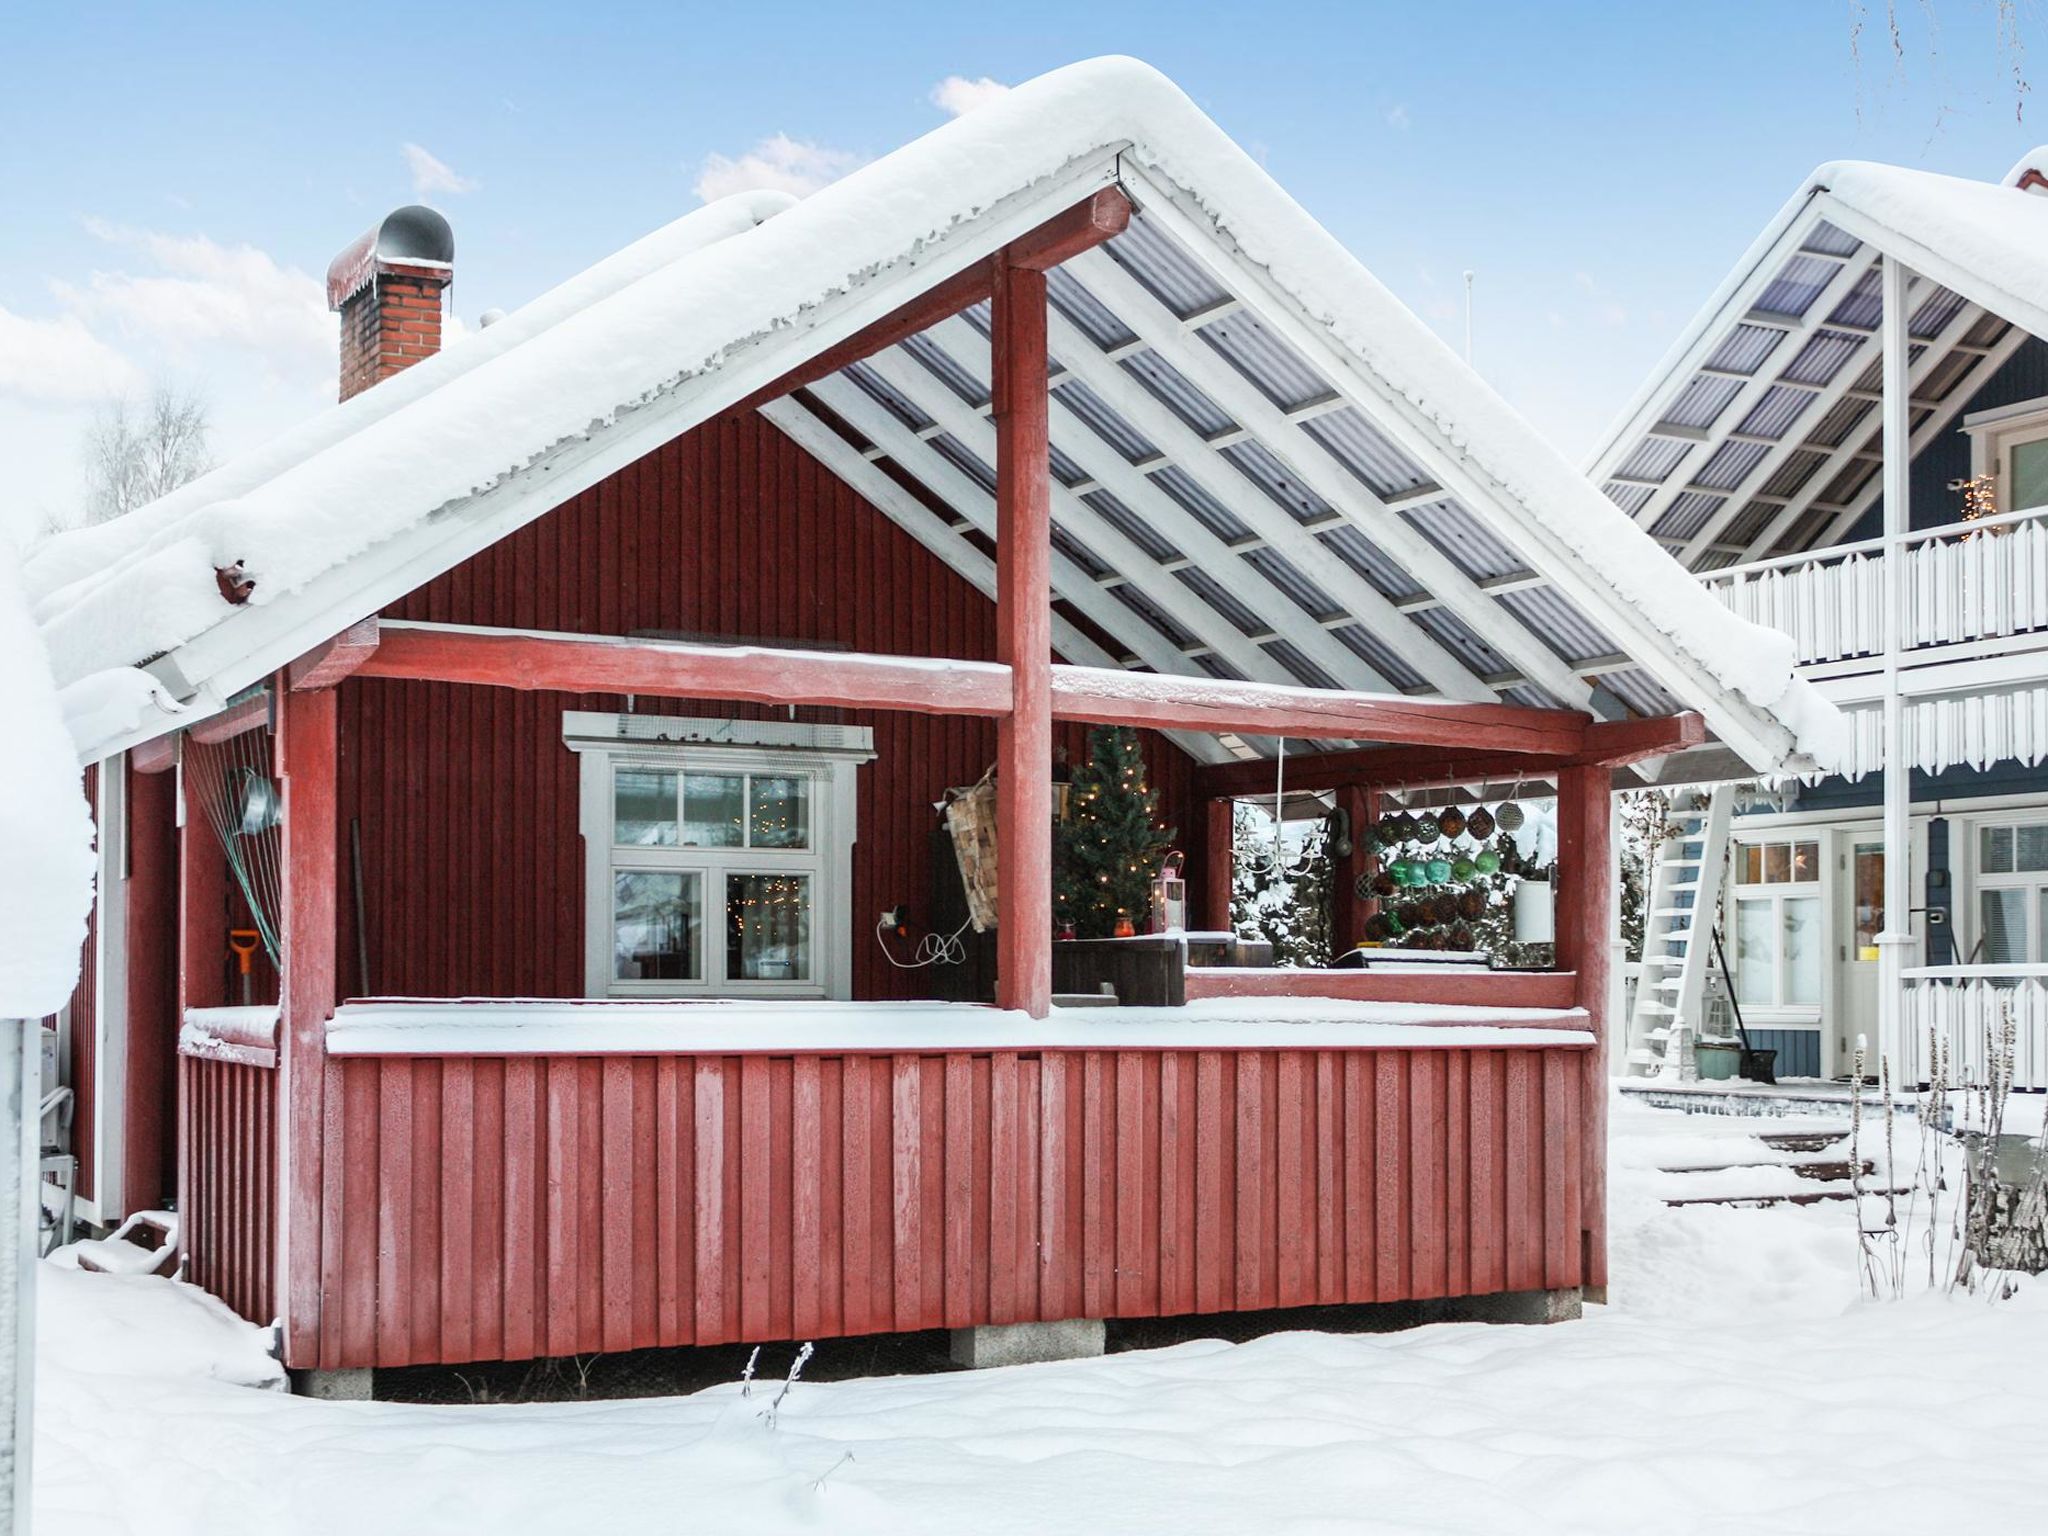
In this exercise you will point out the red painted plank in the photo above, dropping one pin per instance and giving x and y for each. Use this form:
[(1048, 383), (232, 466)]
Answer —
[(458, 1198), (1176, 1179), (1329, 1152), (1485, 1165), (1457, 1191), (1214, 1267), (856, 1178), (1251, 1182), (1296, 1192), (1525, 1170), (958, 1154), (1360, 1234), (1056, 1161), (808, 1172), (1474, 987), (1390, 1184), (1098, 1209), (394, 1209), (755, 1154), (1005, 1194), (620, 1216), (1128, 1290), (1560, 1171), (906, 1188)]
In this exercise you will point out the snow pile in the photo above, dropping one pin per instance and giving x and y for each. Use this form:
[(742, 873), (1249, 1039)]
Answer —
[(707, 328), (1738, 1385), (46, 831)]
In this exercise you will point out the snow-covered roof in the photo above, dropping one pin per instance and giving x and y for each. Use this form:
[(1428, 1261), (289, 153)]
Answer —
[(1759, 433), (1268, 467)]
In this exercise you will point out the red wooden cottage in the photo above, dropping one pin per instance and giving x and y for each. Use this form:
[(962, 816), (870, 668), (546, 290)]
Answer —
[(500, 776)]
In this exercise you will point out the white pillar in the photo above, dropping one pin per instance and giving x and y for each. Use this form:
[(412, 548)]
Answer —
[(1896, 939), (20, 1195)]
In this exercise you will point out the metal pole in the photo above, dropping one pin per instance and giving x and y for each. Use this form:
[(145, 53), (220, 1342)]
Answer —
[(20, 1196), (1897, 935)]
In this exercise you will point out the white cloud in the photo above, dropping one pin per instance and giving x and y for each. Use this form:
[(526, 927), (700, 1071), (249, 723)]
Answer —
[(431, 174), (957, 94), (1397, 117), (59, 360), (778, 163), (196, 292)]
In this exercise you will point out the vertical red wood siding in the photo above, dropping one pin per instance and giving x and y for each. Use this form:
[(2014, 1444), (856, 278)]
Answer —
[(228, 1211), (84, 1009), (149, 1145), (498, 1207), (467, 798)]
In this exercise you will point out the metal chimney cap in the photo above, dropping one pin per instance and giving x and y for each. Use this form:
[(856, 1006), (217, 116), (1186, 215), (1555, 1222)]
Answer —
[(414, 235)]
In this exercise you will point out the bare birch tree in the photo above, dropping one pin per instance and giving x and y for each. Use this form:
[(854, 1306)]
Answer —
[(136, 453)]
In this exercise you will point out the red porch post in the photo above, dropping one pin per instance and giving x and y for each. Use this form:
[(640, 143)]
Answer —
[(201, 961), (308, 753), (1585, 895), (1219, 868), (1347, 908), (1023, 642), (153, 986)]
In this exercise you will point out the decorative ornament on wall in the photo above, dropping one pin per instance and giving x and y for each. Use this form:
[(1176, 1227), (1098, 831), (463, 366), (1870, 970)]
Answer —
[(1439, 871), (1451, 822), (1486, 861), (1480, 824), (1509, 817), (1426, 828)]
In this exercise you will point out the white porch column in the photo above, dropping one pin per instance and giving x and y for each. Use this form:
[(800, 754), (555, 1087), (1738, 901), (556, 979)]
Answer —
[(20, 1211), (1895, 941)]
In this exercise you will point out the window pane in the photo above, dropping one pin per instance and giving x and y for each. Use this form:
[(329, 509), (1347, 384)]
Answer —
[(781, 811), (1756, 952), (1805, 862), (2029, 486), (1777, 863), (643, 807), (768, 927), (711, 809), (1869, 876), (1750, 868), (1802, 950), (2005, 927), (1994, 850), (2030, 847), (657, 922)]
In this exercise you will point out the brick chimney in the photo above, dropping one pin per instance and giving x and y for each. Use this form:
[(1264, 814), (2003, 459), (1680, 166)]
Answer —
[(388, 287)]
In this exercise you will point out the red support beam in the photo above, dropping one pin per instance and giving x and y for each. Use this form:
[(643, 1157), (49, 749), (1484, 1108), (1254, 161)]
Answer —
[(1084, 226), (151, 891), (311, 819), (328, 663), (1023, 642), (1585, 901), (1219, 863), (244, 715), (1348, 909), (1459, 986), (678, 669)]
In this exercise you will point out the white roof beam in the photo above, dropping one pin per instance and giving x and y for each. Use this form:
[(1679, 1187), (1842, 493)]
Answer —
[(1200, 461), (1235, 394)]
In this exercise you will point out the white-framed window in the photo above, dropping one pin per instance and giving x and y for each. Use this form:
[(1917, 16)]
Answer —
[(1778, 940), (2012, 893), (2011, 445), (718, 855)]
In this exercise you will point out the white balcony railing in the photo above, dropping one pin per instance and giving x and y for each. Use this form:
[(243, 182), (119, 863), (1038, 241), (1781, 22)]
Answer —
[(1961, 1011), (1967, 581)]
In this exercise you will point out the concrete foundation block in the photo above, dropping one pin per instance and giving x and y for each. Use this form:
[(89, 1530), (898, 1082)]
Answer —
[(1075, 1338), (1564, 1305), (354, 1384)]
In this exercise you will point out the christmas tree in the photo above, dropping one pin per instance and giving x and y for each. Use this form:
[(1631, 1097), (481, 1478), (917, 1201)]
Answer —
[(1111, 845)]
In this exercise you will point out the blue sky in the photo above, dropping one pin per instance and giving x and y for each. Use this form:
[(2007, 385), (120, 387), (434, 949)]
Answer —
[(176, 178)]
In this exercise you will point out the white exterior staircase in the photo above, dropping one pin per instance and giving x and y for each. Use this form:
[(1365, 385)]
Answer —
[(1678, 934)]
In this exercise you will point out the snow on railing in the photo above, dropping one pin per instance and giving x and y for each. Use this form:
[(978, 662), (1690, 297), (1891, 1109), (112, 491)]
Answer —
[(1967, 581), (1961, 1009)]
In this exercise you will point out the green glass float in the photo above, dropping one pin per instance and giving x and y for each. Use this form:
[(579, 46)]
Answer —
[(1404, 827), (1388, 830), (1464, 869), (1439, 871), (1486, 861)]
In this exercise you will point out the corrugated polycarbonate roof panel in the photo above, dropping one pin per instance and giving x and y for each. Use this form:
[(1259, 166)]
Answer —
[(1199, 504), (1802, 534), (1797, 285), (1776, 410), (1456, 636), (1630, 498), (1176, 279), (1071, 297), (1280, 373), (1380, 656), (899, 405), (1702, 401), (1640, 692), (1745, 349), (1219, 597), (1305, 671), (1137, 529), (1529, 696), (1864, 305), (964, 459), (1939, 308), (1946, 375), (1687, 515), (1370, 561), (1842, 420), (1365, 451), (1077, 552), (1128, 594), (1793, 471), (1730, 464), (1559, 623), (1099, 417), (1063, 467), (1654, 458), (1822, 357), (943, 366), (1173, 390), (1468, 541), (1827, 239), (1282, 573), (1749, 522), (1256, 463), (1216, 666)]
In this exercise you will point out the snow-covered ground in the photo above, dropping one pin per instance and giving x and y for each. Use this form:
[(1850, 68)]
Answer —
[(1738, 1383)]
